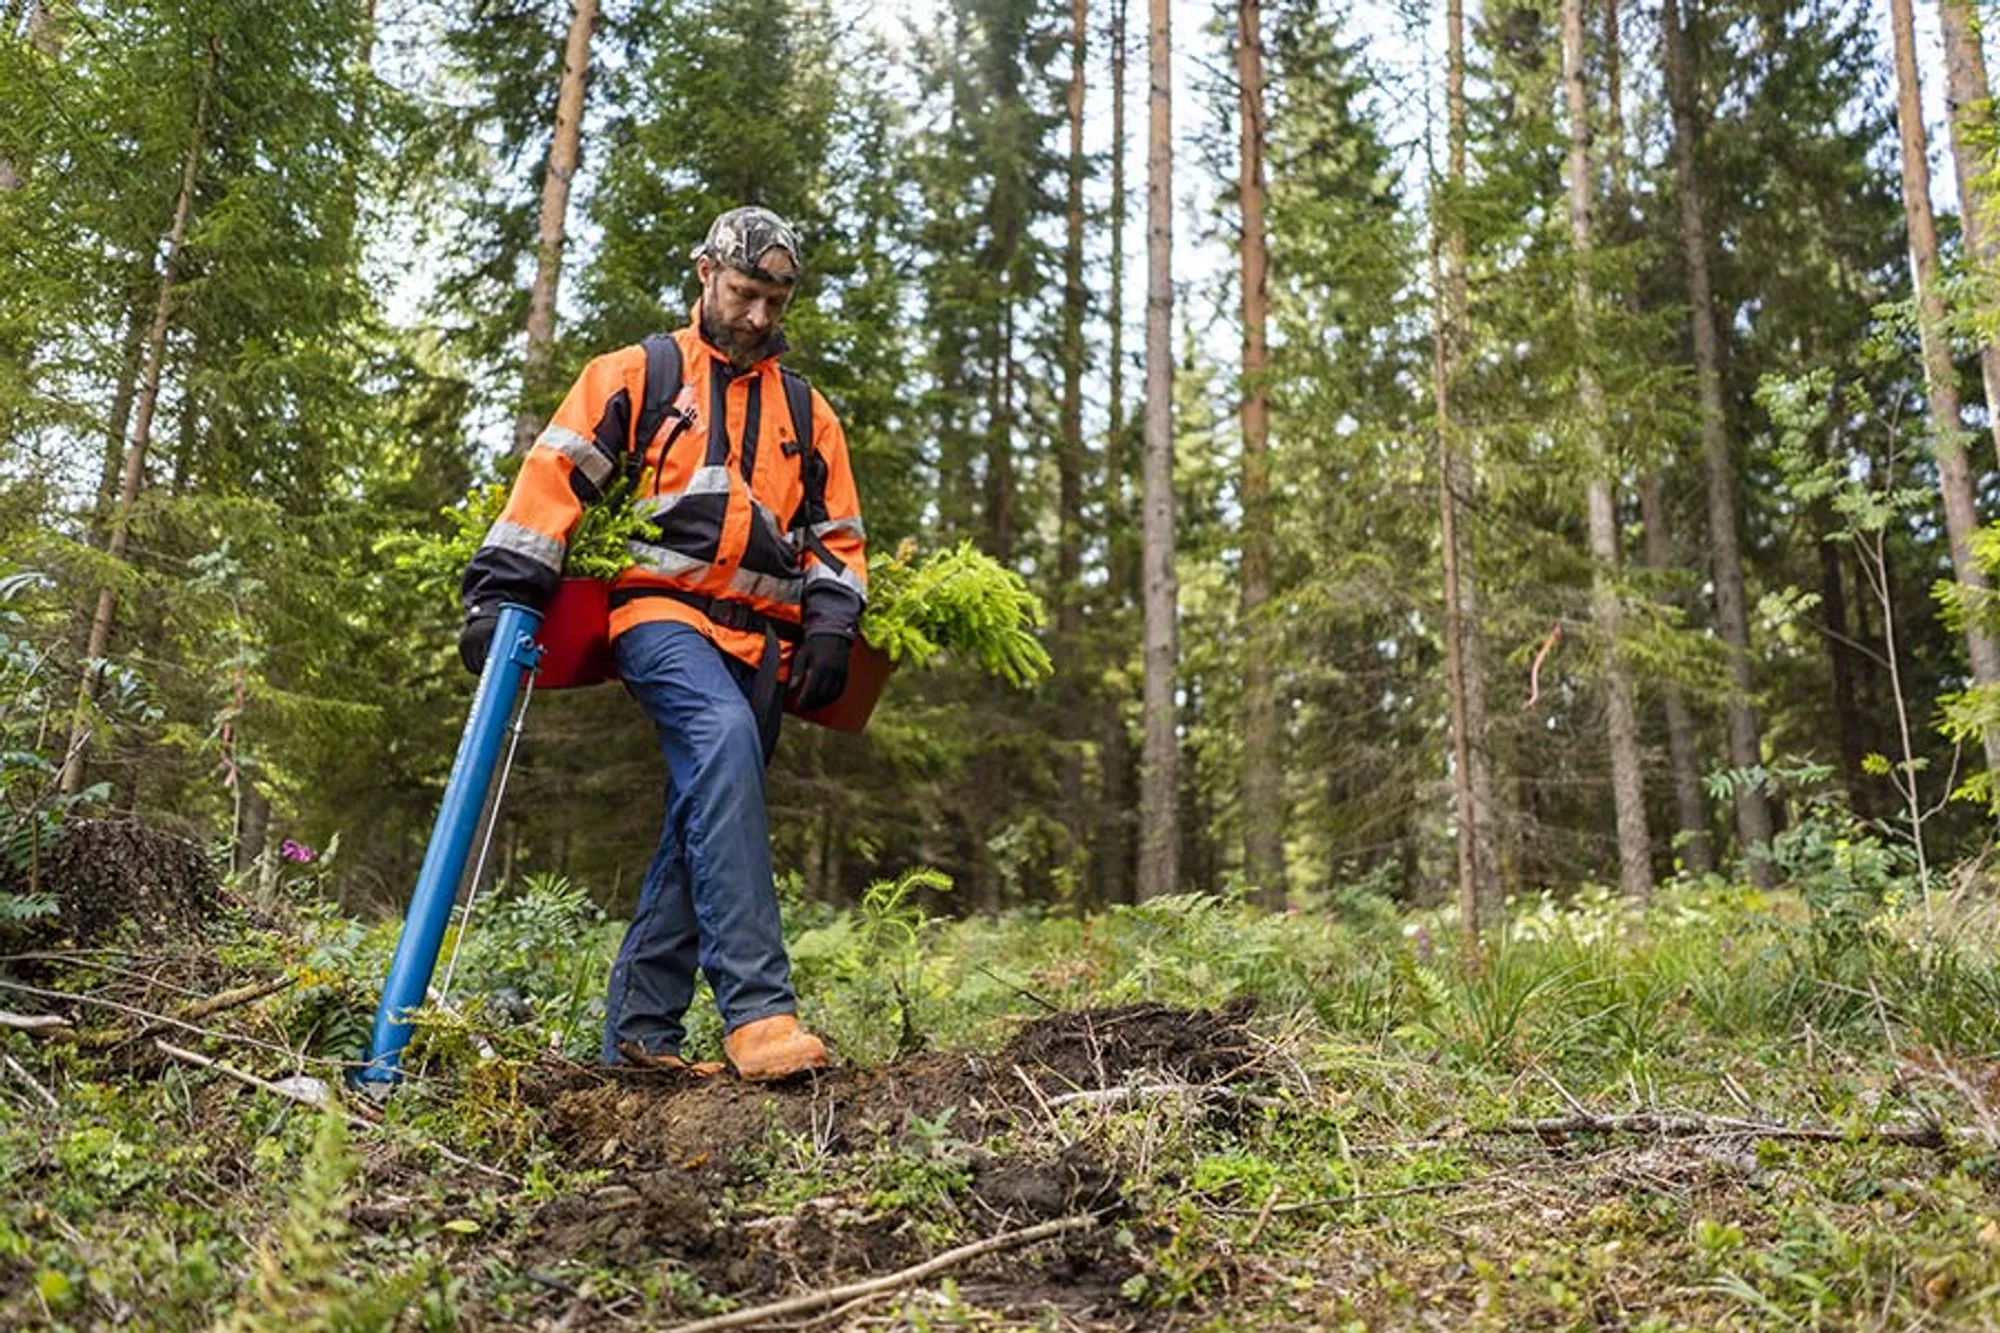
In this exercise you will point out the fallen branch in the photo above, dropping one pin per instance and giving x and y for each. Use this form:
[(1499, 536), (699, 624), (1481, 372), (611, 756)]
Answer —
[(149, 1017), (307, 1099), (35, 1022), (34, 1083), (1717, 1126), (236, 998), (817, 1300)]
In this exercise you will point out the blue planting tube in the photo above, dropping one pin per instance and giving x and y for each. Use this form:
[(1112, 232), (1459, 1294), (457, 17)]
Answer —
[(514, 653)]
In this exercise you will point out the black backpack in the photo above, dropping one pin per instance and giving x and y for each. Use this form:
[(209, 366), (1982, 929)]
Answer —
[(663, 384)]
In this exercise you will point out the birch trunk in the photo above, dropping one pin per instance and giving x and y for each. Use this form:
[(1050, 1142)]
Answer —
[(1961, 517), (76, 756), (1753, 815), (1158, 821), (1628, 791), (564, 151)]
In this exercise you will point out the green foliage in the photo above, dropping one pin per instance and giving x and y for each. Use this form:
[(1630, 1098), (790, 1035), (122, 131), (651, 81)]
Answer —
[(958, 602), (434, 561), (35, 704), (296, 1284)]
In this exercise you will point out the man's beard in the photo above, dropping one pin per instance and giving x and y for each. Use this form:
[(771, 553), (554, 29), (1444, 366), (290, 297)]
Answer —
[(742, 349)]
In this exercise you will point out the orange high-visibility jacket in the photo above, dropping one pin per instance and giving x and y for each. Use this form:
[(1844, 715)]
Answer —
[(721, 485)]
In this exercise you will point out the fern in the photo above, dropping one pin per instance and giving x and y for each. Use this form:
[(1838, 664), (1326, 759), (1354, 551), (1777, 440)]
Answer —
[(297, 1285)]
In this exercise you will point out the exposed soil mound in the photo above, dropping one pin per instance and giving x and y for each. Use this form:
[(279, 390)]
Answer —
[(1100, 1048), (686, 1153), (106, 873)]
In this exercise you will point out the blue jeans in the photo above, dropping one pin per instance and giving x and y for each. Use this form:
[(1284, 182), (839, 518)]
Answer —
[(709, 898)]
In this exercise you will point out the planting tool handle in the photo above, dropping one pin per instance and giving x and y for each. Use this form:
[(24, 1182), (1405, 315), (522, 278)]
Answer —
[(514, 654)]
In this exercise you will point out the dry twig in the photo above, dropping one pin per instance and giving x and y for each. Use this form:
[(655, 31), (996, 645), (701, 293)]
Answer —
[(33, 1082), (1129, 1091), (35, 1022), (817, 1300), (1717, 1126)]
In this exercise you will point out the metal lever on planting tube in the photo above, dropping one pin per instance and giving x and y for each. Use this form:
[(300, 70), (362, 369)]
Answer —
[(514, 656)]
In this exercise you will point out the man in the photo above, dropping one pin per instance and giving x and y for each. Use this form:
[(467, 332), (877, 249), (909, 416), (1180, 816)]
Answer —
[(754, 572)]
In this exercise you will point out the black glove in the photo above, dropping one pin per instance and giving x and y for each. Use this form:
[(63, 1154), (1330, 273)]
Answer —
[(475, 641), (819, 672)]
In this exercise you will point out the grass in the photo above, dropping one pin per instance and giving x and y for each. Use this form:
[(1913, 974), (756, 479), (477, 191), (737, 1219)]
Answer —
[(1355, 1176)]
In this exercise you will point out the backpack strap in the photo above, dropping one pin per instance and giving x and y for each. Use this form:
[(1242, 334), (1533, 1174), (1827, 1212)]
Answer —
[(663, 384), (812, 468), (812, 471)]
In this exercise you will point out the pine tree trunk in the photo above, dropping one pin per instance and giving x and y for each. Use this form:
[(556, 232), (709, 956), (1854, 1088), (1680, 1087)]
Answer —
[(77, 755), (1969, 100), (1159, 824), (1690, 808), (1115, 837), (564, 151), (1263, 770), (1628, 791), (1000, 440), (1465, 664), (1961, 517), (1753, 815), (1840, 657), (1069, 458)]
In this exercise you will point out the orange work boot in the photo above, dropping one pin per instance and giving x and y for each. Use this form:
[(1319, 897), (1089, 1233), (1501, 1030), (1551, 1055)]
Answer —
[(773, 1047), (635, 1054)]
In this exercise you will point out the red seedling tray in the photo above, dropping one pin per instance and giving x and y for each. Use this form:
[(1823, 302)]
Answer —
[(576, 652), (868, 671), (576, 637)]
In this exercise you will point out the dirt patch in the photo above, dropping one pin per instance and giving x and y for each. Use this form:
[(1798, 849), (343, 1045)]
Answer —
[(691, 1156), (1101, 1048), (119, 876)]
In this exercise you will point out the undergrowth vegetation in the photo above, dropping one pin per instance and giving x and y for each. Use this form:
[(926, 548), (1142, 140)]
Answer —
[(1374, 1162)]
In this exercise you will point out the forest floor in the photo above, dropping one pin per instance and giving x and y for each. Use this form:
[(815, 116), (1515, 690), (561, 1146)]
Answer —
[(1729, 1110)]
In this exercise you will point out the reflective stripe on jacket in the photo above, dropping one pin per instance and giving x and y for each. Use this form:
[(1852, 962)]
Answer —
[(720, 484)]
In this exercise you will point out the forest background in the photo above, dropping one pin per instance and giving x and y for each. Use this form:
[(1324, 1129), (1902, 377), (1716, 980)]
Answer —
[(1581, 491)]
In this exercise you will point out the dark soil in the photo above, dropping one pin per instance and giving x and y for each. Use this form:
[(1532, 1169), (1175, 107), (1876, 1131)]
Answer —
[(684, 1156), (121, 878)]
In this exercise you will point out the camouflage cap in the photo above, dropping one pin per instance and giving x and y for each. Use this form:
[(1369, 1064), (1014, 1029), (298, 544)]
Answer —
[(743, 237)]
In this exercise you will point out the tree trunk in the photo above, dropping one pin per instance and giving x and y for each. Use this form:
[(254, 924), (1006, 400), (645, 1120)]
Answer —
[(1961, 517), (1628, 789), (1840, 656), (1070, 695), (1069, 457), (1115, 837), (1158, 828), (1690, 808), (1753, 815), (1263, 754), (40, 32), (1969, 101), (564, 150), (1465, 664), (76, 757)]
